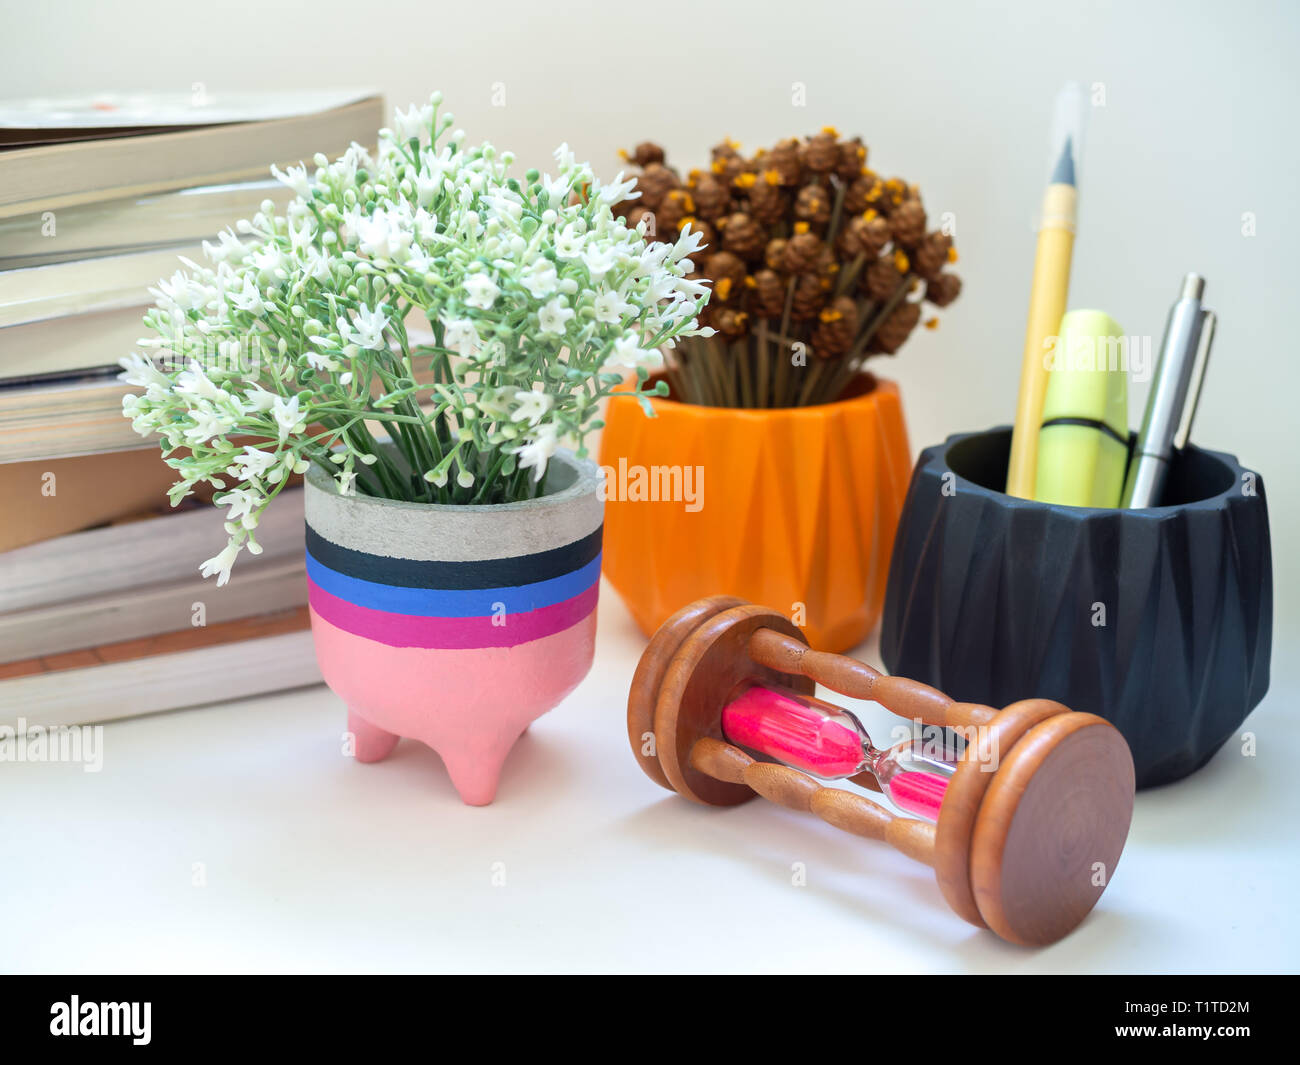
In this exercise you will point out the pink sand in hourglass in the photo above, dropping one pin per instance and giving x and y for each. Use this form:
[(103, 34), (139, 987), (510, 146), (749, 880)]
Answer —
[(919, 793), (784, 727)]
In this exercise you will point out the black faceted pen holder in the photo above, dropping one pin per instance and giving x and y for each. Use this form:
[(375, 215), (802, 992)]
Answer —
[(1159, 620)]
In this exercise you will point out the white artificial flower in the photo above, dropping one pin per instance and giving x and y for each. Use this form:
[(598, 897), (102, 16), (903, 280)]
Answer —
[(618, 191), (553, 316), (194, 381), (301, 236), (316, 265), (220, 564), (207, 423), (688, 243), (228, 248), (426, 187), (368, 330), (532, 407), (254, 462), (493, 404), (535, 454), (269, 260), (610, 307), (482, 291), (628, 352), (569, 242), (541, 279), (385, 234), (142, 373), (241, 503), (415, 122), (249, 297), (564, 158), (321, 362), (286, 415), (600, 261), (460, 335), (295, 177), (257, 399)]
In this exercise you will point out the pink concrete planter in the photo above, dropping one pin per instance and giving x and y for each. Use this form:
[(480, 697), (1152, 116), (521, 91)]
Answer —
[(454, 625)]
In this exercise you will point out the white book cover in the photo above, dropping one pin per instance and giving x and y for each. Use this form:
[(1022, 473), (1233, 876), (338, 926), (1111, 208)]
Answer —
[(133, 222), (198, 107)]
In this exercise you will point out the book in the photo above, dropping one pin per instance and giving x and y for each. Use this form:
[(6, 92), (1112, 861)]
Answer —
[(81, 286), (257, 586), (192, 667), (48, 120), (133, 222), (47, 498), (116, 558), (66, 417), (63, 347), (53, 176), (82, 315)]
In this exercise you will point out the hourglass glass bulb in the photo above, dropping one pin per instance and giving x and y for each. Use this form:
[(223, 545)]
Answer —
[(826, 741), (801, 731)]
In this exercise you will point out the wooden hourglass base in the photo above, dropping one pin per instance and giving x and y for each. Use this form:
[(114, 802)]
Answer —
[(1032, 824)]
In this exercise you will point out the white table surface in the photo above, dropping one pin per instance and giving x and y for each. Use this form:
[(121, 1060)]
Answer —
[(314, 863)]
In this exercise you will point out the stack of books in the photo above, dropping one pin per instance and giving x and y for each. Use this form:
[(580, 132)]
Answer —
[(103, 613)]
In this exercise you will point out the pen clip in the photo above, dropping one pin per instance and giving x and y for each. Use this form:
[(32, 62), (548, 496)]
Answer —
[(1208, 321)]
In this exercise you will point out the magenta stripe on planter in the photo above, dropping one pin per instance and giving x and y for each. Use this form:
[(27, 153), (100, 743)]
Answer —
[(407, 630)]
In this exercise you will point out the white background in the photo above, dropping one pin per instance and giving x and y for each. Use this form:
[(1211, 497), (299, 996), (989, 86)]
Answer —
[(317, 863)]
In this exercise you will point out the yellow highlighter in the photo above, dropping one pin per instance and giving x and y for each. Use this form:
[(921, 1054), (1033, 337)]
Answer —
[(1083, 438), (1051, 285)]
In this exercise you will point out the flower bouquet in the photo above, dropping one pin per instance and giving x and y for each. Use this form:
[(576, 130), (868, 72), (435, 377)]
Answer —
[(816, 262), (817, 265), (418, 334)]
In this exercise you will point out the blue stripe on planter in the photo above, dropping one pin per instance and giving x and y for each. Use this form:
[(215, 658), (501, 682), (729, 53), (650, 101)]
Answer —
[(512, 572), (454, 603)]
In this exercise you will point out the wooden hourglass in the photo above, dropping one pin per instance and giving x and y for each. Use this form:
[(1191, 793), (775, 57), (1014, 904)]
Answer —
[(1023, 830)]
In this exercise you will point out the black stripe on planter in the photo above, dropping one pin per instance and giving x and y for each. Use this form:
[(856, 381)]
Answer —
[(487, 573)]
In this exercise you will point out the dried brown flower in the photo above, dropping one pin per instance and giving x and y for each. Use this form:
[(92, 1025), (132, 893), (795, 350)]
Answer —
[(813, 205), (801, 253), (729, 321), (837, 326), (645, 153), (655, 182), (852, 160), (863, 236), (943, 289), (712, 200), (768, 202), (881, 279), (742, 235), (725, 265), (895, 329), (932, 255), (907, 221), (766, 293), (676, 206), (810, 293), (774, 253), (858, 191), (784, 160), (820, 153)]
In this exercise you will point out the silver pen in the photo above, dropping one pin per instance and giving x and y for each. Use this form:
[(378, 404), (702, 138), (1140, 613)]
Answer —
[(1180, 369)]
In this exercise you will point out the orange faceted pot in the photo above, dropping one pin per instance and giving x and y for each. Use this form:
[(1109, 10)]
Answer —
[(795, 507)]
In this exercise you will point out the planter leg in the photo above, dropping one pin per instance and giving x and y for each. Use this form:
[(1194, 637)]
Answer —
[(372, 744), (476, 769)]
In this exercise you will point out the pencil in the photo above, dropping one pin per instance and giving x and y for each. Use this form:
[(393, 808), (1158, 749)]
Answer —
[(1048, 293)]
